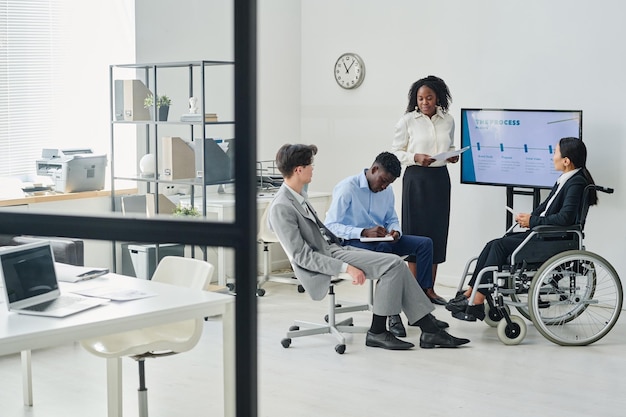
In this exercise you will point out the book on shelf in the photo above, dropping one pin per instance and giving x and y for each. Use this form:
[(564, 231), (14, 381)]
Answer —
[(197, 117)]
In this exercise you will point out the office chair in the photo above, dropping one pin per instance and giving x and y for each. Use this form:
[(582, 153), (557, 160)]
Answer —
[(266, 237), (336, 328), (164, 340)]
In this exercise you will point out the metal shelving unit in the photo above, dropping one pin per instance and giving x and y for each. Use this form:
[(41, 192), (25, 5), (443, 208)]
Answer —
[(188, 79)]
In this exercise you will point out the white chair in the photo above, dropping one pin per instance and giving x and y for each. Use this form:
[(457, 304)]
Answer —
[(266, 237), (157, 341)]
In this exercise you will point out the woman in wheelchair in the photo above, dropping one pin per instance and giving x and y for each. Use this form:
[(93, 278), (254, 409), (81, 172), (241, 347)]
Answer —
[(559, 209)]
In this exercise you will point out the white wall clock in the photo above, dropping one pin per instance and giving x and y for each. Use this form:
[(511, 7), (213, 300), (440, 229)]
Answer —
[(349, 70)]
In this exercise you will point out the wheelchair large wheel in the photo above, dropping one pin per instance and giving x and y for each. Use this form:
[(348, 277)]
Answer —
[(575, 298)]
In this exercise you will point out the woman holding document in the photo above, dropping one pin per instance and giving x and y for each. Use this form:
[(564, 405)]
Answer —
[(422, 135)]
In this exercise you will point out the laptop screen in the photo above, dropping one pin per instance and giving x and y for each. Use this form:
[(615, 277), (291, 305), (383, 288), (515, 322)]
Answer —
[(28, 271)]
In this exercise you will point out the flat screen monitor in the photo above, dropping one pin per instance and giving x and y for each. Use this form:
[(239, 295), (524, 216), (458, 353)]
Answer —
[(514, 147)]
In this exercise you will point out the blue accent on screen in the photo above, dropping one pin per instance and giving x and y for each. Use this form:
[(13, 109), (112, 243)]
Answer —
[(510, 147)]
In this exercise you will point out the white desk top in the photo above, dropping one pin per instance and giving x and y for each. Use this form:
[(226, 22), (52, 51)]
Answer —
[(22, 332)]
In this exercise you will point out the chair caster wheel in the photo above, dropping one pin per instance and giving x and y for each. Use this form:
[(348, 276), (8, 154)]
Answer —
[(294, 328), (230, 286), (260, 292), (340, 349), (300, 288), (286, 343), (514, 333)]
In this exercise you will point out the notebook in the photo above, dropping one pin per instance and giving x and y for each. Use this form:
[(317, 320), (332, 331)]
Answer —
[(31, 286), (387, 238)]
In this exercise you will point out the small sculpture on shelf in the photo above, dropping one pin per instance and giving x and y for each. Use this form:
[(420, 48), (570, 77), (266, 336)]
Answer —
[(193, 105)]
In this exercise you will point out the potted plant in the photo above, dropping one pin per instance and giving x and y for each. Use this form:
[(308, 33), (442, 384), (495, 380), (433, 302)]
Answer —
[(163, 105), (181, 210)]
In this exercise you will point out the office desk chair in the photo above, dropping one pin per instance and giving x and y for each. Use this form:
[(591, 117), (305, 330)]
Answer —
[(336, 328), (157, 341)]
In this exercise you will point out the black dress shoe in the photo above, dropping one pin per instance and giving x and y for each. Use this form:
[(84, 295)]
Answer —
[(460, 295), (395, 326), (434, 298), (439, 323), (440, 301), (471, 313), (456, 306), (386, 340), (441, 339)]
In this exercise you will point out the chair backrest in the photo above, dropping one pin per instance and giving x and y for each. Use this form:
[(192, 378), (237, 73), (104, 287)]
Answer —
[(553, 240), (266, 235), (584, 206), (184, 272)]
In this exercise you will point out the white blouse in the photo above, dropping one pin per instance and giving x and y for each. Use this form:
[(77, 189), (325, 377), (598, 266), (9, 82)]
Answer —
[(417, 133)]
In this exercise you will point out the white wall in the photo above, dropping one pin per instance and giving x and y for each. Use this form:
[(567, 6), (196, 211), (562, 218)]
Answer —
[(534, 54), (561, 54)]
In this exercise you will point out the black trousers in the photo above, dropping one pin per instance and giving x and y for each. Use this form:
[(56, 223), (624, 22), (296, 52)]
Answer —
[(496, 253)]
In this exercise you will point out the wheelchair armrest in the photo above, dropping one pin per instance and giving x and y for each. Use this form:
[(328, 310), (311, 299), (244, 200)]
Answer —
[(545, 229)]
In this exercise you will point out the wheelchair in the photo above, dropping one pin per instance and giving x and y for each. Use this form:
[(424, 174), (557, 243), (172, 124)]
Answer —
[(572, 296)]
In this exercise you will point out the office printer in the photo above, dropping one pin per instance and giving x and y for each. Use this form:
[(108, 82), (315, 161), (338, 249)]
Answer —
[(73, 170)]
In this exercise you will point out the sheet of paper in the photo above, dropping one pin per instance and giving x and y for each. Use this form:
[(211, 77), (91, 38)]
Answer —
[(449, 154), (510, 210), (387, 238), (113, 293)]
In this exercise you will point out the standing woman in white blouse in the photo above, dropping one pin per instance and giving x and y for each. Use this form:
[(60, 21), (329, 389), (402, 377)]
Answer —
[(426, 129)]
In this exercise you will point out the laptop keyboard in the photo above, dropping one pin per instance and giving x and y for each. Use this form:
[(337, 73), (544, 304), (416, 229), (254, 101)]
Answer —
[(61, 302)]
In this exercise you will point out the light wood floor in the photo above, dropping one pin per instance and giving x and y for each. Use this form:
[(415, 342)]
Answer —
[(310, 379)]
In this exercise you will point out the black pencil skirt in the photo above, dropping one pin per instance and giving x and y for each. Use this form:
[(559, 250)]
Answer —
[(426, 206)]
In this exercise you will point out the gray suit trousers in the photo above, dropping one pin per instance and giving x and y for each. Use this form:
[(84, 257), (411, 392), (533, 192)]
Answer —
[(397, 288)]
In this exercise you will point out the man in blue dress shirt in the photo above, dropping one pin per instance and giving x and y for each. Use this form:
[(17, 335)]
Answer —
[(363, 208)]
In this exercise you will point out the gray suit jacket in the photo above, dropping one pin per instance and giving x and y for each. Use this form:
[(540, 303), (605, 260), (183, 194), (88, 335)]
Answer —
[(309, 253)]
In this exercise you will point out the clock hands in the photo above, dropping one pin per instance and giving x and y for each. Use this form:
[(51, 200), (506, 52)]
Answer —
[(348, 68)]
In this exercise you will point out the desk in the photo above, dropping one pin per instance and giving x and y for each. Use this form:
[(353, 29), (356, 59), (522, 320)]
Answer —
[(52, 196), (23, 333), (223, 205)]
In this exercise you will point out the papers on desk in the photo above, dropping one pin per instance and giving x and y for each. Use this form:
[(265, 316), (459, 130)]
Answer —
[(387, 238), (73, 273), (445, 155), (111, 292)]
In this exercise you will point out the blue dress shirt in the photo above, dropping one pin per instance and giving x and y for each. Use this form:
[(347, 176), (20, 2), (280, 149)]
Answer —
[(355, 207)]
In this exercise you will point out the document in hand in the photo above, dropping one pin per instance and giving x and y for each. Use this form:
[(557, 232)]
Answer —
[(449, 154), (510, 210)]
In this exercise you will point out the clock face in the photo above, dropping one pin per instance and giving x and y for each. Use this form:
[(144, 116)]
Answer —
[(349, 71)]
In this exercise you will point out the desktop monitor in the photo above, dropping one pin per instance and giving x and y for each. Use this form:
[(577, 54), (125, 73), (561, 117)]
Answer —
[(514, 147)]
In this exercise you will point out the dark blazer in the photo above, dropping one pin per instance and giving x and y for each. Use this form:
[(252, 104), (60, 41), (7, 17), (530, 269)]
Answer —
[(566, 206)]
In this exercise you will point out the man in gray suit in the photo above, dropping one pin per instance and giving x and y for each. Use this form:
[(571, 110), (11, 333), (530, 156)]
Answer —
[(316, 254)]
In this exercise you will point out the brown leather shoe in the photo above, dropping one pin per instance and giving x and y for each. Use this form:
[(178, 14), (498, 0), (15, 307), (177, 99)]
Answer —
[(434, 298)]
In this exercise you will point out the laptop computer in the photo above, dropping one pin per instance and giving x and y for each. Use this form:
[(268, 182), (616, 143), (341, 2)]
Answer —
[(31, 286)]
